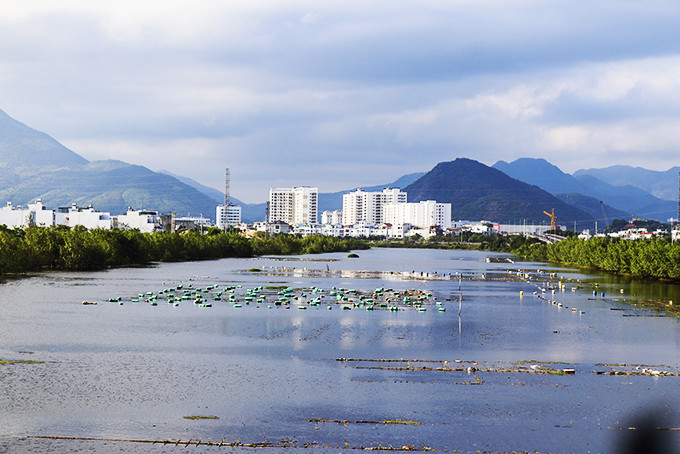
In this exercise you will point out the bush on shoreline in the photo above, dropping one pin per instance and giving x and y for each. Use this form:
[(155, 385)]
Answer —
[(656, 258), (78, 249)]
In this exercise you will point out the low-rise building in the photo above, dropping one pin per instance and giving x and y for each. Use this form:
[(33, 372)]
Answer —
[(331, 217), (86, 217), (145, 221), (227, 216), (15, 217), (37, 214)]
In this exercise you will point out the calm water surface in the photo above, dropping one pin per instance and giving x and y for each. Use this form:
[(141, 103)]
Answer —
[(135, 371)]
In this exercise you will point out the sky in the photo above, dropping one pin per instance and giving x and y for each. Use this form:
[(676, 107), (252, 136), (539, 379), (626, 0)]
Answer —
[(341, 94)]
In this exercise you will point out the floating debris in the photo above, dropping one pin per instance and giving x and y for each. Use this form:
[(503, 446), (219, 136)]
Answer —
[(382, 421), (285, 443)]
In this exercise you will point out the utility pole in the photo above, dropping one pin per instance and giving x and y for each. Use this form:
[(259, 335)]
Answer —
[(225, 208)]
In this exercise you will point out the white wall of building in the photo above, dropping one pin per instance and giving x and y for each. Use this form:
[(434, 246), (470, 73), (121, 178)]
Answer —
[(86, 217), (360, 206), (36, 214), (15, 217), (331, 217), (305, 205), (42, 217), (512, 229), (227, 216), (143, 220), (297, 205), (422, 214)]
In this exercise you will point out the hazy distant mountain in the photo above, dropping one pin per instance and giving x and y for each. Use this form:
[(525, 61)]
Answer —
[(663, 185), (111, 186), (541, 173), (34, 165), (213, 193), (330, 201), (477, 191), (250, 212), (627, 198), (25, 151), (593, 207)]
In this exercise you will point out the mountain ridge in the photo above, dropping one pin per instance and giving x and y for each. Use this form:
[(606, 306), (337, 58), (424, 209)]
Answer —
[(477, 191), (629, 199), (661, 184)]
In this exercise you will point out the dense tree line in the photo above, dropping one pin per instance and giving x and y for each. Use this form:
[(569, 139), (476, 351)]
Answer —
[(656, 258), (466, 240), (58, 248)]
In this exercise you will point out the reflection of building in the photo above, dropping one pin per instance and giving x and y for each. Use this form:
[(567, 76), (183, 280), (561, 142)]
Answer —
[(298, 205), (143, 220), (227, 216)]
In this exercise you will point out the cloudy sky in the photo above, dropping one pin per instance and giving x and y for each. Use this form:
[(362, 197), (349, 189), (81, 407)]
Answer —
[(338, 94)]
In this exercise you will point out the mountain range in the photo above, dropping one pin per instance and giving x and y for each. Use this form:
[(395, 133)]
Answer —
[(626, 197), (33, 165), (663, 185), (477, 191)]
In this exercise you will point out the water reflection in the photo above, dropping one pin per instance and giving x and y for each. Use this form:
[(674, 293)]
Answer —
[(490, 377)]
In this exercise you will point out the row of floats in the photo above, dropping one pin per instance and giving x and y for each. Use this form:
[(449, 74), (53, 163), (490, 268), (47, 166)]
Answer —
[(526, 277), (347, 299)]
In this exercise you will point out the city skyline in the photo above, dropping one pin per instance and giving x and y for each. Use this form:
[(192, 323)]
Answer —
[(358, 93)]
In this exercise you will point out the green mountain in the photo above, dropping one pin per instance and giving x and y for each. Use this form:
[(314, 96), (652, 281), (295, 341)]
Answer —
[(35, 166), (477, 192), (111, 186)]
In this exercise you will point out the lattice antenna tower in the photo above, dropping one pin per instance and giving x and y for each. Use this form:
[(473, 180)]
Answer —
[(226, 187)]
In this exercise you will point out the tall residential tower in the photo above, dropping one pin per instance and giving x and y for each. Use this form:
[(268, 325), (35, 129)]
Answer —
[(294, 206)]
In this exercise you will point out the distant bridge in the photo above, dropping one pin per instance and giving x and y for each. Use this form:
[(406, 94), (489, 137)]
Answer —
[(546, 237)]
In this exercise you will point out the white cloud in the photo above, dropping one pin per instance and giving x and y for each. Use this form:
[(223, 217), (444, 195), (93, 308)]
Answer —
[(356, 92)]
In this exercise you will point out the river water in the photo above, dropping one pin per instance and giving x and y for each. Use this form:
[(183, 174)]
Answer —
[(569, 371)]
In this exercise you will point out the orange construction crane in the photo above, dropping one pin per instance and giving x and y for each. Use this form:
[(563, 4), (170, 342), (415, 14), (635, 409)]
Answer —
[(552, 219)]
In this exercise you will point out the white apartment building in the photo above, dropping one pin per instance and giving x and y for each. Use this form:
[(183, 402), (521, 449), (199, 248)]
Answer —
[(36, 214), (422, 214), (297, 205), (227, 216), (86, 217), (15, 217), (331, 217), (143, 220), (42, 217), (362, 206)]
